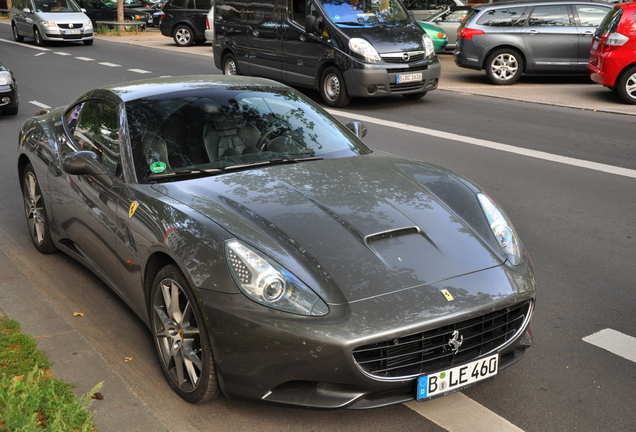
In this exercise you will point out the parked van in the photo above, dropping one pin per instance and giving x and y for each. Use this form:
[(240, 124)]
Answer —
[(343, 48)]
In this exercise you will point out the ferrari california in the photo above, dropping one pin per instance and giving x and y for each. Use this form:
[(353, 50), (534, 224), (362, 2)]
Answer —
[(272, 254)]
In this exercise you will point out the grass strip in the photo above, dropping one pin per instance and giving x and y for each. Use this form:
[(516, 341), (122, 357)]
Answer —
[(31, 397)]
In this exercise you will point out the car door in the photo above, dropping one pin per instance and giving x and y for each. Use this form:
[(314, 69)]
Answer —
[(551, 39), (588, 17), (24, 20), (301, 50), (264, 40), (86, 205)]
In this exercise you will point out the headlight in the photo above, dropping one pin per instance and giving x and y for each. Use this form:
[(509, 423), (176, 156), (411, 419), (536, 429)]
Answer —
[(5, 78), (364, 48), (88, 23), (267, 283), (47, 23), (502, 229), (429, 48)]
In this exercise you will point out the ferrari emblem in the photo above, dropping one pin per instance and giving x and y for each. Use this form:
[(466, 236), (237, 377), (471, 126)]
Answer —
[(448, 295), (132, 209)]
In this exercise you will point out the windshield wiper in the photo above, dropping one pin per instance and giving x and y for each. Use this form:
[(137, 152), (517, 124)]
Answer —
[(272, 162), (185, 173), (352, 23)]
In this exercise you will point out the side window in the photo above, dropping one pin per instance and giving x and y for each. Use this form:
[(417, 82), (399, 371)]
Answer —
[(94, 125), (589, 15), (298, 11), (183, 4), (550, 16), (507, 17), (203, 4), (229, 11)]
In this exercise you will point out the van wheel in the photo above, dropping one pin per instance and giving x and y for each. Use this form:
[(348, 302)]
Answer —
[(16, 35), (333, 89), (626, 86), (414, 96), (504, 66), (229, 65), (38, 37), (183, 36)]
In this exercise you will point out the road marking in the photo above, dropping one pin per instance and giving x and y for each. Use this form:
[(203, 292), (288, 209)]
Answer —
[(459, 413), (22, 44), (61, 53), (625, 172), (614, 342), (39, 104), (141, 71), (39, 54), (109, 64), (86, 59)]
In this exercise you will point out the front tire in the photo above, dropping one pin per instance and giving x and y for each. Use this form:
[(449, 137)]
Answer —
[(36, 218), (16, 35), (504, 67), (229, 65), (333, 88), (183, 36), (38, 37), (181, 338), (626, 86)]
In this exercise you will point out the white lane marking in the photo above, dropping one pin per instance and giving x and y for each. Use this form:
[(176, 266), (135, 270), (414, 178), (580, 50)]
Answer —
[(40, 104), (25, 45), (109, 64), (86, 59), (141, 71), (625, 172), (61, 53), (39, 54), (614, 342), (459, 413)]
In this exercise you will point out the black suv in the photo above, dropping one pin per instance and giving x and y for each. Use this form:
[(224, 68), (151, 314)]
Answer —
[(508, 39), (184, 20)]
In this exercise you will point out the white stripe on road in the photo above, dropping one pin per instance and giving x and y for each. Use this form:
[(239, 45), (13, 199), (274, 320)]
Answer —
[(39, 54), (614, 342), (25, 45), (61, 53), (109, 64), (86, 59), (625, 172), (457, 412), (141, 71), (39, 104)]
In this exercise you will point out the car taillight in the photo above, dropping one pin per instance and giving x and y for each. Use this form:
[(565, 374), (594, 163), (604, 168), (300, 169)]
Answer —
[(468, 33), (609, 41), (207, 23)]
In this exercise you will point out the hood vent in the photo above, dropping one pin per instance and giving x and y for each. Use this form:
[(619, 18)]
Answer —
[(391, 234)]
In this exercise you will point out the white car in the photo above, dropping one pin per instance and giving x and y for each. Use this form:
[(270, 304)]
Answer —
[(209, 26)]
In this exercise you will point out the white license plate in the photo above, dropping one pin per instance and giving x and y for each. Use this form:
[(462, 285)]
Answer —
[(456, 378), (78, 31), (402, 78), (595, 44)]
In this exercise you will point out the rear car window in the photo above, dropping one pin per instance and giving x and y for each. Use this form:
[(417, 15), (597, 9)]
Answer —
[(610, 22), (507, 17), (590, 16)]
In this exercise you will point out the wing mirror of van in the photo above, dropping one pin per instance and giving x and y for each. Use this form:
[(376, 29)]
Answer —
[(314, 25), (358, 128)]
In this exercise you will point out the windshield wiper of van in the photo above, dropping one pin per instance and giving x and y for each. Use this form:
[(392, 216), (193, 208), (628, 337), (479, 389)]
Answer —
[(352, 23)]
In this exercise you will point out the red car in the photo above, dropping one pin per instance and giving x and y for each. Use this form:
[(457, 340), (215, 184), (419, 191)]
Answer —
[(613, 54)]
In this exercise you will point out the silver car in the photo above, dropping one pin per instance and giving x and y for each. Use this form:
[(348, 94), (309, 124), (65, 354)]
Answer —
[(508, 39), (450, 19), (50, 20)]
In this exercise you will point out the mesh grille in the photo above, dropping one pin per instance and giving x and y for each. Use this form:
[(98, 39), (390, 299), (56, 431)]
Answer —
[(430, 351)]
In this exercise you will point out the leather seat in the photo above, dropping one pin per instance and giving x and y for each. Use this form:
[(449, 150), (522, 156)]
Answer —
[(228, 135)]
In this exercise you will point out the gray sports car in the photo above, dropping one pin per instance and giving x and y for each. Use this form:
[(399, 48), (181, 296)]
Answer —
[(271, 253)]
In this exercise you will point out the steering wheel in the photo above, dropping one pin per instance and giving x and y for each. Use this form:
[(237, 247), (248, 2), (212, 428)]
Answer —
[(264, 140)]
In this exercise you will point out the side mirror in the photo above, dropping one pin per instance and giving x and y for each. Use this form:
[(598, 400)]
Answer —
[(358, 128), (26, 10), (314, 25), (86, 163)]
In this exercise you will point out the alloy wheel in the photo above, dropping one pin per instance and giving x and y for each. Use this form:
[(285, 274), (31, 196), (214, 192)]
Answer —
[(504, 66)]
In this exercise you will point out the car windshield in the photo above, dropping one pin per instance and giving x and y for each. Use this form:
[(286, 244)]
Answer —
[(56, 6), (220, 130), (357, 13)]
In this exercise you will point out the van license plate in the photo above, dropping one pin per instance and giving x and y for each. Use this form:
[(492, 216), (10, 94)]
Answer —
[(404, 78), (451, 380), (71, 32)]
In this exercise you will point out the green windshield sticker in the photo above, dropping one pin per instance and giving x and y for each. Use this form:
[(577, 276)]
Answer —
[(158, 167)]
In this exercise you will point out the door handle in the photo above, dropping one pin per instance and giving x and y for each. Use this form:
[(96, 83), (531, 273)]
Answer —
[(587, 33), (532, 32)]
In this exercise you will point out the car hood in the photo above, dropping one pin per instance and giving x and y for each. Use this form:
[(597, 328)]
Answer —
[(369, 225), (389, 39), (64, 17)]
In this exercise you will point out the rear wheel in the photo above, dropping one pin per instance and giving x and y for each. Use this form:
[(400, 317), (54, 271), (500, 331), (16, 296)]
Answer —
[(504, 66), (16, 35), (626, 86), (183, 36), (36, 218), (229, 65), (181, 338), (333, 88)]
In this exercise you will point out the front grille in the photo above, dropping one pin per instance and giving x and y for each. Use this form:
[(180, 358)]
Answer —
[(68, 26), (413, 58), (397, 88), (430, 351)]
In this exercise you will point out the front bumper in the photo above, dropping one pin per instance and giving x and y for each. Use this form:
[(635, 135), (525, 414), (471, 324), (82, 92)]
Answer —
[(56, 34), (308, 361), (381, 80), (8, 96)]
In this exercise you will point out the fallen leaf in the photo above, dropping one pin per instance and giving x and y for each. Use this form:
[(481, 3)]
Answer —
[(98, 396), (127, 359), (78, 314)]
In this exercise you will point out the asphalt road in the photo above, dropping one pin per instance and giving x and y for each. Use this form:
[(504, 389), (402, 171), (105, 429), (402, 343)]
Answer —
[(566, 176)]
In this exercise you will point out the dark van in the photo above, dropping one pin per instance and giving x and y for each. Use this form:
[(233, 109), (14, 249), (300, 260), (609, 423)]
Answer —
[(343, 48)]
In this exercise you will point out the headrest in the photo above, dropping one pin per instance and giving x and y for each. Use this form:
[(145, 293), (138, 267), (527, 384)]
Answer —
[(227, 121)]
